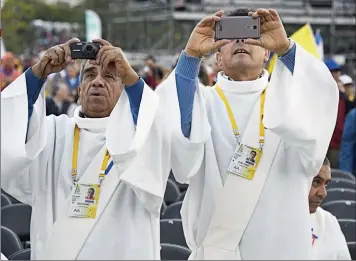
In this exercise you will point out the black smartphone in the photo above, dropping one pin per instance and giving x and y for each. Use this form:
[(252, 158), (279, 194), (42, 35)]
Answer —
[(237, 27), (84, 50)]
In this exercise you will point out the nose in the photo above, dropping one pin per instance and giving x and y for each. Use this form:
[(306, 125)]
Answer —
[(242, 40), (322, 192), (98, 81)]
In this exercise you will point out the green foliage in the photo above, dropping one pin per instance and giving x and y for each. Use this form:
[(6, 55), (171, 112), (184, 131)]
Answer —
[(18, 14)]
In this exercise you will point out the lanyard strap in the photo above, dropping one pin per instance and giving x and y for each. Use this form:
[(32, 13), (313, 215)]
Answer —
[(103, 170), (234, 126)]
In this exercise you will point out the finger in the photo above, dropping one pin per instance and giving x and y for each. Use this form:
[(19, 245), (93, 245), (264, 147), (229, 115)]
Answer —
[(274, 14), (220, 43), (209, 21), (219, 13), (61, 54), (102, 42), (104, 55), (109, 59), (67, 52), (102, 50), (66, 46), (73, 40), (54, 56), (264, 14), (256, 42)]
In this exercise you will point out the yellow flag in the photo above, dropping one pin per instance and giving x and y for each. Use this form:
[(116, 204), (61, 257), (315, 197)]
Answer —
[(305, 38)]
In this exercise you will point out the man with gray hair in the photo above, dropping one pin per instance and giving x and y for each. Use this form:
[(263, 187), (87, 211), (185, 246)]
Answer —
[(109, 146)]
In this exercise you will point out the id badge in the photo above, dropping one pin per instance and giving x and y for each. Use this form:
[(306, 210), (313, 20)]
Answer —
[(84, 201), (244, 161)]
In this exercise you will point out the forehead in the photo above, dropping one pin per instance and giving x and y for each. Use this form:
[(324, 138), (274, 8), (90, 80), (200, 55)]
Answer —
[(324, 173)]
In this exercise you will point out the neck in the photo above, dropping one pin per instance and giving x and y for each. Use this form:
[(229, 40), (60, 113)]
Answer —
[(246, 75), (83, 114)]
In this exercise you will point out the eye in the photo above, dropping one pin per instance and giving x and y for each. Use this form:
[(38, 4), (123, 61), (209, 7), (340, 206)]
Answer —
[(110, 76), (89, 75), (316, 183)]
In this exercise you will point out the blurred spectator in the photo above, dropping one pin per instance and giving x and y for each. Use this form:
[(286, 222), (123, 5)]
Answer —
[(343, 109), (348, 86), (203, 76), (60, 102), (72, 76), (8, 70), (153, 74), (328, 241), (348, 144)]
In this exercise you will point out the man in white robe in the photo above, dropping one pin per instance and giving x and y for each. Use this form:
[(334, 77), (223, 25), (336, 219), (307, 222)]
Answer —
[(328, 241), (36, 159), (224, 215)]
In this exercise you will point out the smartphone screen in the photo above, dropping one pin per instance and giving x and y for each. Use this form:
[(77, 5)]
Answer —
[(237, 27)]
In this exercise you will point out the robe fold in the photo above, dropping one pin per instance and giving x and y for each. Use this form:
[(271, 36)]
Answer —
[(328, 241), (269, 213), (37, 171)]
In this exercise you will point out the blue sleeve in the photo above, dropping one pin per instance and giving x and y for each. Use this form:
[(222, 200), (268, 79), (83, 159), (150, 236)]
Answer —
[(134, 92), (289, 58), (186, 80), (348, 143), (34, 86)]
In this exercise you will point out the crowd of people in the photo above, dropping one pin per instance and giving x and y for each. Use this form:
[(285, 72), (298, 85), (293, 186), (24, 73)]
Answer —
[(221, 124)]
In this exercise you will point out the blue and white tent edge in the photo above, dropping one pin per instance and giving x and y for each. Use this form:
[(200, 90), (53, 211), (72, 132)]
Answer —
[(319, 44)]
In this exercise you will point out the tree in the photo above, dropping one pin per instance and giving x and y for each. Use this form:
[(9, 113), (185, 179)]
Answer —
[(17, 15)]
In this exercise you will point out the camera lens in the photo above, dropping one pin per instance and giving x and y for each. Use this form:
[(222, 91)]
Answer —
[(255, 27), (89, 48)]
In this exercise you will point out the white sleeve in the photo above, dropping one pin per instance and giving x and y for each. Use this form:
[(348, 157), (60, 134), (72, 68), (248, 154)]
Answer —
[(17, 154), (187, 153), (302, 108), (340, 241), (141, 153)]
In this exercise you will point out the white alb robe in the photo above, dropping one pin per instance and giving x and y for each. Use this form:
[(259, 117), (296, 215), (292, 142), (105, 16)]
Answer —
[(331, 243), (300, 114), (38, 173)]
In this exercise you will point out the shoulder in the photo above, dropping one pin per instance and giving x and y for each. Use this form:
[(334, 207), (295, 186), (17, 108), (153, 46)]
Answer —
[(329, 219)]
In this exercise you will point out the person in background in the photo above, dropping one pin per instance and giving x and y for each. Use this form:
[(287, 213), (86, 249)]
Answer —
[(8, 71), (343, 108), (203, 76), (72, 76), (61, 102), (348, 144), (153, 74), (348, 86), (327, 239)]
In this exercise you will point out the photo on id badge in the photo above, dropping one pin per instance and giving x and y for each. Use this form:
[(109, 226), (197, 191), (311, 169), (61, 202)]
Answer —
[(251, 159)]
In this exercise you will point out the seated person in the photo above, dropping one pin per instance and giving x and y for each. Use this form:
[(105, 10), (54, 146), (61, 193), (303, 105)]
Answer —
[(327, 238)]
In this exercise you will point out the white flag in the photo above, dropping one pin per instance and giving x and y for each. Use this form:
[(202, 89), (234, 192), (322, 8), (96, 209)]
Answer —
[(92, 25)]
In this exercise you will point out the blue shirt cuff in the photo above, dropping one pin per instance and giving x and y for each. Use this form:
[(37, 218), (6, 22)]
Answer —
[(134, 93), (289, 58), (34, 86), (188, 66)]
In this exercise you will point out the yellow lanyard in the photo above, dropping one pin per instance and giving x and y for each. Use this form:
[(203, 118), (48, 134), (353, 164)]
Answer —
[(75, 158), (234, 126)]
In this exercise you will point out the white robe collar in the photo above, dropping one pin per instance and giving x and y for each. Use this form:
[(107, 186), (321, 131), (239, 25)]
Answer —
[(242, 86), (97, 124)]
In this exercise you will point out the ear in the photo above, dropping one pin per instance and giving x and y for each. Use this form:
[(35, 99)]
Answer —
[(267, 54), (219, 59), (79, 90)]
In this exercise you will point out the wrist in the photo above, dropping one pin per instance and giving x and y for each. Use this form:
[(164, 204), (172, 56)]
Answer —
[(36, 70), (285, 48), (131, 79), (191, 53)]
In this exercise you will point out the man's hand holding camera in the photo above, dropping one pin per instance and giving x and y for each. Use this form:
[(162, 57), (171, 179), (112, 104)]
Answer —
[(54, 60), (112, 58), (108, 57)]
